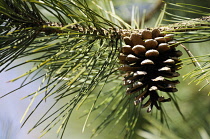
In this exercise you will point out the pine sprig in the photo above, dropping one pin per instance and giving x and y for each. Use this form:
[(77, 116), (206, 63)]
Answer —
[(78, 54)]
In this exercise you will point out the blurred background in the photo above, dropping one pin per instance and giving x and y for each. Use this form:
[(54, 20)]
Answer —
[(194, 104)]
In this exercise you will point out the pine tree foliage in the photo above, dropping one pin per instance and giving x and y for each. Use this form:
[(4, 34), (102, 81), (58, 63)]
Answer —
[(78, 52)]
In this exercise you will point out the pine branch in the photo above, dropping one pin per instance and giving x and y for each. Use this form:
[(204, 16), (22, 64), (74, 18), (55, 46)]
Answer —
[(79, 53)]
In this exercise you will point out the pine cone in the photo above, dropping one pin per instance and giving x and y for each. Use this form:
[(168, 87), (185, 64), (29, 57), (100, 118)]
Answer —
[(150, 59)]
